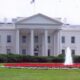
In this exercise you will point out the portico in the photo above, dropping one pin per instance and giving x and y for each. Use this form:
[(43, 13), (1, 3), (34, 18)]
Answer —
[(36, 42), (37, 37)]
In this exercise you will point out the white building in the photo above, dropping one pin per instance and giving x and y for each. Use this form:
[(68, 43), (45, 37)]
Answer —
[(39, 35)]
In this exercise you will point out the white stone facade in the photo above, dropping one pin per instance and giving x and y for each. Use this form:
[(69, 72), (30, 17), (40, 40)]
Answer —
[(39, 35)]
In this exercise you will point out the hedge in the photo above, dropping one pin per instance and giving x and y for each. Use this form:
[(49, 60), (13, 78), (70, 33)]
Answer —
[(14, 58)]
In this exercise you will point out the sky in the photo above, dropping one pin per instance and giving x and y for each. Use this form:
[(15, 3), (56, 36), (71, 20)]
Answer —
[(68, 10)]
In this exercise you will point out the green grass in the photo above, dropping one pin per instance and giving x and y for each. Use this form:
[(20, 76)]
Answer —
[(29, 74), (1, 64)]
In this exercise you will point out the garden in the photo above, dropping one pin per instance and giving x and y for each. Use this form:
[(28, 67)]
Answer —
[(13, 60), (21, 67)]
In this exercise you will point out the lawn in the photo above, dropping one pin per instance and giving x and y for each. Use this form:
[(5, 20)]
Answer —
[(30, 74)]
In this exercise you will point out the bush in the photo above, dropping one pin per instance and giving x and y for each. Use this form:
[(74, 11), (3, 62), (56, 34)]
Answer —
[(3, 58), (76, 59), (10, 58)]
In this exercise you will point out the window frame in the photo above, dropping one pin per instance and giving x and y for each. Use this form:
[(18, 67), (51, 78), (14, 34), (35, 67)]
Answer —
[(63, 39), (24, 38), (36, 38), (23, 51), (73, 39), (9, 38), (8, 51), (0, 38), (73, 51), (49, 52), (49, 39), (63, 51)]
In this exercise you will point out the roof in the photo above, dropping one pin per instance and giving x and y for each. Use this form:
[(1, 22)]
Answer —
[(37, 15)]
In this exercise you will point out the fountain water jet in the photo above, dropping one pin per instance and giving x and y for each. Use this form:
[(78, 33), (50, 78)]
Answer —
[(68, 57)]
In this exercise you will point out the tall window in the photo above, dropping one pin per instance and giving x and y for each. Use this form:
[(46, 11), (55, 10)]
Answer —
[(36, 48), (0, 38), (72, 39), (8, 51), (63, 39), (73, 52), (9, 38), (23, 39), (36, 39), (49, 40), (36, 54), (49, 52), (63, 51), (24, 51)]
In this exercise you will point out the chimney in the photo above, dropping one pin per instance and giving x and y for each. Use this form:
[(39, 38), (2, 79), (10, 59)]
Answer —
[(5, 20)]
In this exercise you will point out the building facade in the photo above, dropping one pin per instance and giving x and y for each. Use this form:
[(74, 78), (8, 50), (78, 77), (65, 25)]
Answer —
[(39, 35)]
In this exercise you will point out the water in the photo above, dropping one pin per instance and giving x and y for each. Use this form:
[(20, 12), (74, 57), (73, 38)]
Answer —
[(68, 57)]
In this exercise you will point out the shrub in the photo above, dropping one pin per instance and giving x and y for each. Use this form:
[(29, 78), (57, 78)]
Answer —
[(76, 59), (10, 58), (3, 58)]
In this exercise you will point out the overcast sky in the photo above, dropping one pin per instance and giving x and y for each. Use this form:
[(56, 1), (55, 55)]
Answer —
[(69, 9)]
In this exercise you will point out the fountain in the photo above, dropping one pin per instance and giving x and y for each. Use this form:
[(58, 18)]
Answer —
[(68, 57)]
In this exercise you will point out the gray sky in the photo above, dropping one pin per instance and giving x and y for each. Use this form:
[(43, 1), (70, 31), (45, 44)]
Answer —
[(69, 9)]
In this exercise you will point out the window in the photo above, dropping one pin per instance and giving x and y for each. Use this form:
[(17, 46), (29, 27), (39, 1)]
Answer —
[(63, 39), (8, 51), (9, 38), (72, 39), (73, 52), (35, 54), (23, 39), (63, 51), (49, 40), (48, 52), (36, 48), (36, 39), (0, 38), (24, 51)]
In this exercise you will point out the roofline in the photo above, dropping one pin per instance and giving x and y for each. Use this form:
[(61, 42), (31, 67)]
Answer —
[(41, 15), (5, 23)]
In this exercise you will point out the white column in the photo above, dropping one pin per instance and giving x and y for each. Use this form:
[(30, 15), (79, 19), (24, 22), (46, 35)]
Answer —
[(55, 43), (17, 41), (58, 38), (32, 43), (59, 42), (46, 42)]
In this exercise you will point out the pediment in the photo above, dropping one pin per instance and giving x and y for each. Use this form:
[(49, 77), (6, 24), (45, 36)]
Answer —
[(38, 19)]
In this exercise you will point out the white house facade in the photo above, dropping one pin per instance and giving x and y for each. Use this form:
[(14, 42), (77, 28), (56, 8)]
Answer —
[(39, 35)]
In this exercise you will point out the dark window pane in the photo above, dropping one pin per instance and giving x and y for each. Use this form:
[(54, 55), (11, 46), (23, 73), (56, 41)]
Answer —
[(8, 51), (72, 39), (49, 40), (73, 52), (0, 38), (8, 38), (63, 39), (36, 48), (48, 52), (24, 39), (36, 39), (35, 54), (24, 51), (63, 51)]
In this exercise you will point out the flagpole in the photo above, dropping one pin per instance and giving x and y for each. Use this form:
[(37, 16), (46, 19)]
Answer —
[(58, 3), (34, 6)]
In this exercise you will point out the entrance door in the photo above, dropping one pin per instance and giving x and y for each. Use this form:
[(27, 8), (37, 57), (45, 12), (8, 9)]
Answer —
[(36, 51), (36, 54)]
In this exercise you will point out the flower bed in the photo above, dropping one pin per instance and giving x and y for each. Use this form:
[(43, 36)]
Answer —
[(49, 65)]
